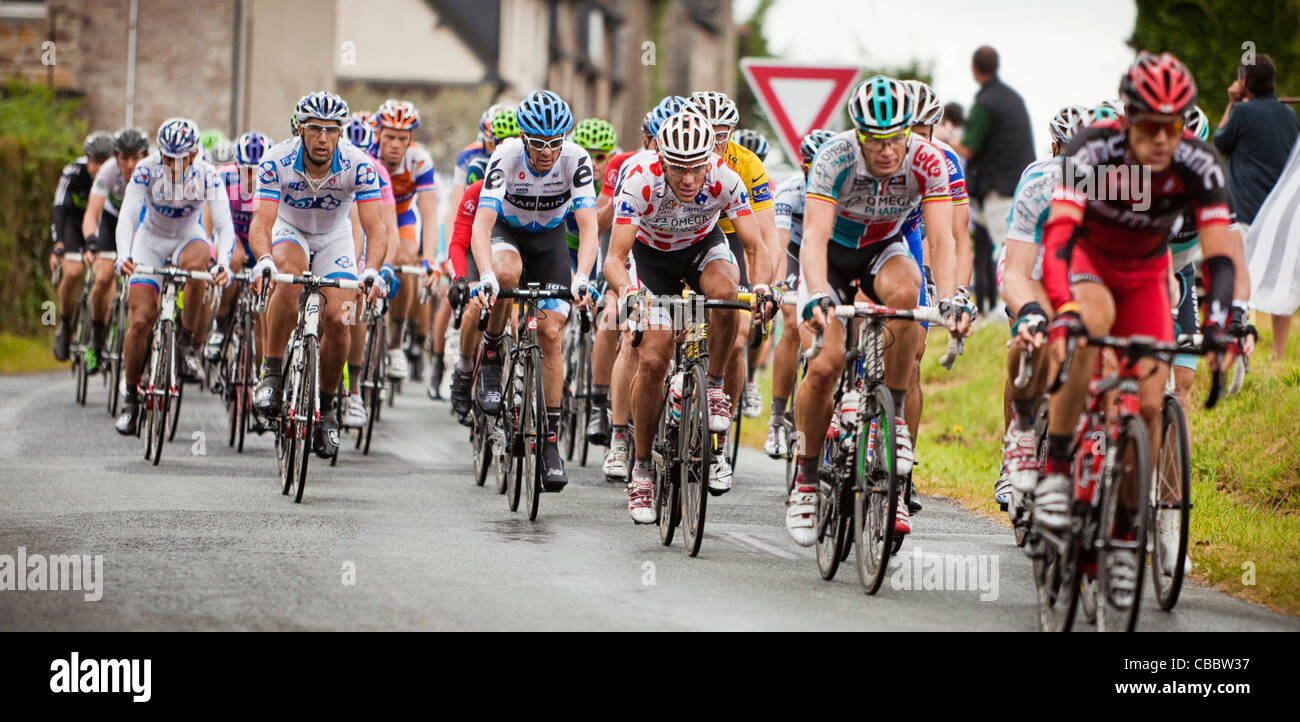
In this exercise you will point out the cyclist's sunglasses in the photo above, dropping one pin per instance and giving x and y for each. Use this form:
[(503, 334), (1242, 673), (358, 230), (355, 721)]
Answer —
[(597, 155), (1152, 126), (879, 142), (316, 129), (721, 136), (540, 144)]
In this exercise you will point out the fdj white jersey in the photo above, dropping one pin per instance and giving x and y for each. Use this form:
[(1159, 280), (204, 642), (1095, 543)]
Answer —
[(662, 221), (110, 184), (870, 209), (320, 206), (531, 202), (172, 207), (788, 204)]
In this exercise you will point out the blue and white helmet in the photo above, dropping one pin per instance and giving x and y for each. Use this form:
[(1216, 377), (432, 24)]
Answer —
[(882, 106), (811, 142), (250, 147), (716, 107), (177, 137), (665, 109), (544, 113), (323, 106), (359, 133)]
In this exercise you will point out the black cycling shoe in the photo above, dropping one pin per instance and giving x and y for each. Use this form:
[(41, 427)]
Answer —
[(61, 343), (488, 388), (128, 421), (327, 434), (90, 359), (266, 395), (553, 476), (436, 372), (598, 428)]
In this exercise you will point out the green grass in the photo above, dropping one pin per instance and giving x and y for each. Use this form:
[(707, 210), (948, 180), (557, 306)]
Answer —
[(25, 354), (1245, 461)]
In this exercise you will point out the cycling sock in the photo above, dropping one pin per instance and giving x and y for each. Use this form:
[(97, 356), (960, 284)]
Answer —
[(354, 377), (98, 332), (552, 423), (899, 397), (492, 341), (643, 464), (778, 407), (1024, 413), (600, 396), (715, 380), (809, 464), (619, 433), (271, 365), (1058, 446), (465, 364)]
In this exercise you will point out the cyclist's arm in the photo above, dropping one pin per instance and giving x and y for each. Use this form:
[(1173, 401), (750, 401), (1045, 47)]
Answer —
[(223, 233), (965, 258), (818, 220), (389, 213), (1017, 281), (94, 208), (358, 238), (620, 245), (748, 230), (604, 212), (128, 217), (1062, 220), (427, 202), (1241, 282), (480, 240), (588, 241), (770, 244), (369, 212), (938, 224)]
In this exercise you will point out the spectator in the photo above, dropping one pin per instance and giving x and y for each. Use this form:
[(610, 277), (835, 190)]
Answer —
[(997, 146), (949, 130), (1256, 136)]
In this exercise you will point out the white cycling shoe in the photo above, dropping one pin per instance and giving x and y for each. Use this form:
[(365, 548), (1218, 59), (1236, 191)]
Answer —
[(398, 367), (720, 474), (615, 466), (639, 503), (751, 401), (801, 513), (354, 412), (905, 459)]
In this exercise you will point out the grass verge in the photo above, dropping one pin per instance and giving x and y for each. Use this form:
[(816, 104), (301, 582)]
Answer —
[(26, 354)]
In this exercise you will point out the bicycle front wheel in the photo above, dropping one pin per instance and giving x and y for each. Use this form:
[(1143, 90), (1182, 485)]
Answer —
[(695, 452), (667, 479), (876, 491), (1121, 542), (535, 428), (1171, 506)]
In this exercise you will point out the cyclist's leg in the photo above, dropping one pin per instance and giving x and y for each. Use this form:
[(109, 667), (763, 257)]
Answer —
[(404, 305), (737, 371), (289, 251), (896, 282), (142, 306), (647, 386), (105, 288), (194, 254), (785, 356), (333, 257)]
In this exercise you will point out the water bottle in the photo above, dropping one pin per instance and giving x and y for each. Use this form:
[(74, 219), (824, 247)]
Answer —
[(849, 410), (1091, 462), (675, 395)]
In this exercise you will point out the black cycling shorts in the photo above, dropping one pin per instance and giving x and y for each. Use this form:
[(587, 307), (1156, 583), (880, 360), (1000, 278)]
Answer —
[(738, 251), (544, 255), (851, 269), (666, 273), (791, 266)]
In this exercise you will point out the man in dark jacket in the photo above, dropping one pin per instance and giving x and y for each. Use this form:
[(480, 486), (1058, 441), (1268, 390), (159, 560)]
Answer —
[(997, 146), (1256, 136)]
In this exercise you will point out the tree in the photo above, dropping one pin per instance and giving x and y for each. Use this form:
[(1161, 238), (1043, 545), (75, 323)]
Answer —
[(1213, 37)]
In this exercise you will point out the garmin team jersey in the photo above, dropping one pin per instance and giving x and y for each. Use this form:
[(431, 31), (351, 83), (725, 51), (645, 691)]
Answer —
[(534, 203)]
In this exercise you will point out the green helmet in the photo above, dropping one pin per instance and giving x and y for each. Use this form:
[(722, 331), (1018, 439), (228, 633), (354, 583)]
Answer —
[(209, 139), (504, 126), (594, 134)]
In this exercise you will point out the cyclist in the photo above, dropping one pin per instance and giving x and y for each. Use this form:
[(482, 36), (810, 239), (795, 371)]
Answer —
[(668, 207), (613, 364), (159, 225), (69, 208), (518, 232), (411, 169), (1020, 272), (722, 113), (754, 141), (130, 146), (1105, 259), (480, 148), (929, 112), (789, 206), (597, 137), (862, 185), (503, 127), (361, 134), (305, 190)]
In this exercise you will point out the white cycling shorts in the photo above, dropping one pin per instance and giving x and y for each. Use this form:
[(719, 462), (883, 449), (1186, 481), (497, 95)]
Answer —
[(332, 254)]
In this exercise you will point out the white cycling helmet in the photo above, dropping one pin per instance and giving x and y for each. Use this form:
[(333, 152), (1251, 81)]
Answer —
[(1196, 122), (1067, 122), (881, 106), (716, 107), (686, 139), (929, 111)]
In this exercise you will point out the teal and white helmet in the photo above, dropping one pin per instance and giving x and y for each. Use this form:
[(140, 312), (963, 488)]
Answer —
[(882, 106), (1196, 122)]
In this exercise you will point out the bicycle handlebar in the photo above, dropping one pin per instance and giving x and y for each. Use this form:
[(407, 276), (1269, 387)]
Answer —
[(741, 302), (1138, 347), (173, 272), (846, 311), (1022, 376)]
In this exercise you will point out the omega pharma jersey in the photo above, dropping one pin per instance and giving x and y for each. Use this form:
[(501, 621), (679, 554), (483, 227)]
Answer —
[(662, 221), (751, 172), (870, 209), (318, 206), (788, 204), (531, 202)]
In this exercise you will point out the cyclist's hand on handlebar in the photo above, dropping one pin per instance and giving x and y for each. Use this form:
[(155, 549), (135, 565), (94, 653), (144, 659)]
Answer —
[(1240, 328), (265, 265), (1221, 347), (583, 290), (220, 275), (814, 311), (766, 301), (1066, 325), (378, 287), (1030, 326), (126, 267), (430, 276), (488, 288)]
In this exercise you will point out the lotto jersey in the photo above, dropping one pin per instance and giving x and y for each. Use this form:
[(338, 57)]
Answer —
[(110, 184), (750, 169), (870, 209), (613, 172), (534, 203), (414, 175), (662, 221), (1130, 215), (463, 227), (463, 159), (788, 204), (321, 206), (956, 185)]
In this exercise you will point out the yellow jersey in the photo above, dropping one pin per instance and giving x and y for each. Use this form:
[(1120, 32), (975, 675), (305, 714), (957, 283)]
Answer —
[(753, 175)]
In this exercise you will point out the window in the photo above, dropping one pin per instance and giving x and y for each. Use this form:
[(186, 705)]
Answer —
[(23, 8)]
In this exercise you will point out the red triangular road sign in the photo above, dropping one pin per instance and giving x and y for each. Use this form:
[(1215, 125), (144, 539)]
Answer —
[(798, 98)]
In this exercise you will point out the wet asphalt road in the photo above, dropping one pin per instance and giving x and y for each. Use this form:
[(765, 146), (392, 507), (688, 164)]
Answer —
[(403, 539)]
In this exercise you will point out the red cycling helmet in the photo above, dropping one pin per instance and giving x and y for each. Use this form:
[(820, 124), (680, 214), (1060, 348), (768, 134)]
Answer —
[(1157, 84)]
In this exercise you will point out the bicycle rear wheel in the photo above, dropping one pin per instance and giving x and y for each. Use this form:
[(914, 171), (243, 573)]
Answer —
[(481, 440), (535, 427), (115, 334), (515, 446), (286, 439), (1121, 552), (876, 492), (571, 353), (584, 386), (834, 508), (1171, 506), (305, 413), (695, 450), (667, 478)]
